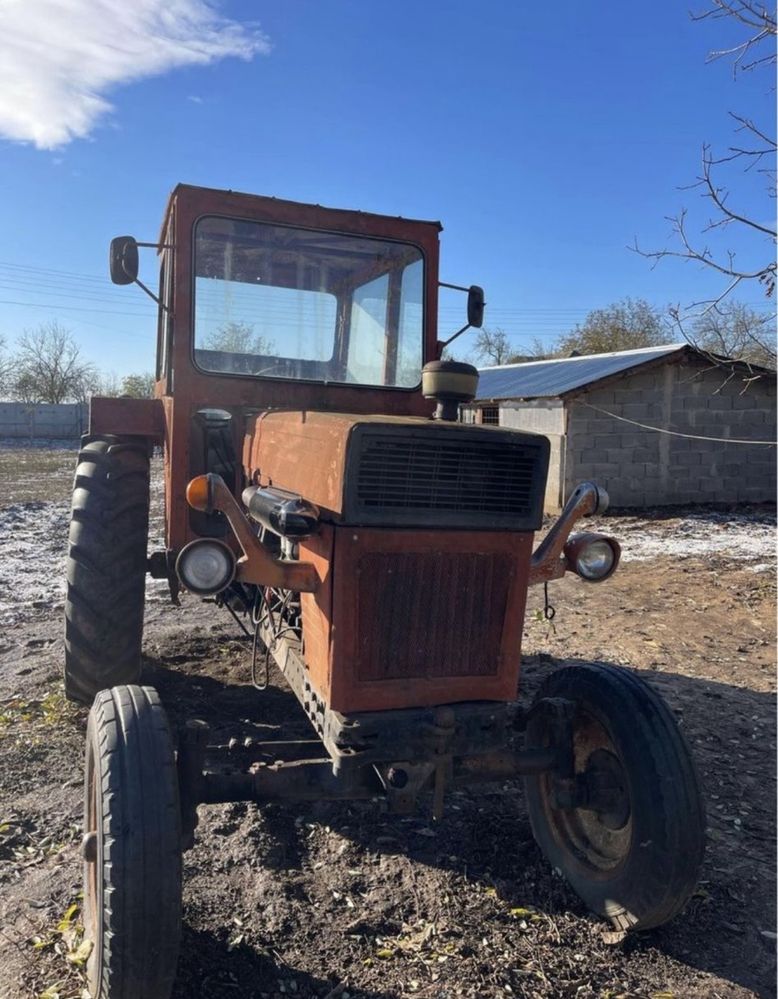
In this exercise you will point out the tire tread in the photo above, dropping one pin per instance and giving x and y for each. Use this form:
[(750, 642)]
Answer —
[(661, 879), (106, 567), (141, 834)]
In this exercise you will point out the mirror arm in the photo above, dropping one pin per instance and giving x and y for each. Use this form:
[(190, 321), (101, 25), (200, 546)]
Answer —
[(151, 295), (464, 329), (149, 292)]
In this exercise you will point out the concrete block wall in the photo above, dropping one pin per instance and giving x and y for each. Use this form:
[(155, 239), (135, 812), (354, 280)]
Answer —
[(645, 468), (547, 417), (65, 421)]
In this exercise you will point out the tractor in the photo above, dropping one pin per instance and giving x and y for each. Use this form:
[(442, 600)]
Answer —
[(320, 487)]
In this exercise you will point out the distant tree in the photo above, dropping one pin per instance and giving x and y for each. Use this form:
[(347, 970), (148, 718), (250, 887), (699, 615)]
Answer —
[(140, 386), (736, 331), (537, 351), (493, 346), (239, 338), (47, 367), (5, 369), (108, 384), (625, 325)]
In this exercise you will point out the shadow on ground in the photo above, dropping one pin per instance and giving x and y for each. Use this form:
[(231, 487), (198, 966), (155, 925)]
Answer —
[(485, 837)]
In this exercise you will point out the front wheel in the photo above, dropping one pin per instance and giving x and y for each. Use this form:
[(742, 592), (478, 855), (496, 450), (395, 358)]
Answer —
[(131, 847), (627, 830)]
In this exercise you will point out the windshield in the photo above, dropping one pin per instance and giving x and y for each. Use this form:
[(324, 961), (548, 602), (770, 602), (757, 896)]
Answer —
[(279, 302)]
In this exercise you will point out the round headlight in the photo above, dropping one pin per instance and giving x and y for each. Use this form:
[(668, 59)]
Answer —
[(595, 560), (592, 556), (206, 566)]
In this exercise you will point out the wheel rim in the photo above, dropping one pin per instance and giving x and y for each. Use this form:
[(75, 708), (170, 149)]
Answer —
[(93, 887), (599, 834)]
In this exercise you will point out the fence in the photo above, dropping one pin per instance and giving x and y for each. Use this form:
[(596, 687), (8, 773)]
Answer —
[(63, 421)]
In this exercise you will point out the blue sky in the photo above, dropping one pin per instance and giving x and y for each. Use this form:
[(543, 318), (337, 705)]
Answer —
[(545, 137)]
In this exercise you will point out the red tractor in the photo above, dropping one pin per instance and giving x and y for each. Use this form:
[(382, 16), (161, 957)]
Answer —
[(319, 486)]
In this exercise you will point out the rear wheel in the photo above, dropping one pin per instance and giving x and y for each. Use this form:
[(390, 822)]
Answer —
[(628, 829), (106, 567), (131, 847)]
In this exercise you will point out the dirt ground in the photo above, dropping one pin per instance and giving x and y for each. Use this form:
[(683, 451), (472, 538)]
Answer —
[(341, 901)]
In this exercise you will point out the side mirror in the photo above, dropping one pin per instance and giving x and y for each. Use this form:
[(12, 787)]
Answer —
[(475, 306), (123, 260)]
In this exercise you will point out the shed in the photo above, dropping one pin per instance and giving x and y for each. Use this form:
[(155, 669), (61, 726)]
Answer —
[(655, 426)]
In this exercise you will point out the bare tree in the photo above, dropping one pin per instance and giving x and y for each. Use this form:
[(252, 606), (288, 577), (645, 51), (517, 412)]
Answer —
[(625, 325), (736, 331), (495, 347), (108, 385), (48, 367), (753, 151)]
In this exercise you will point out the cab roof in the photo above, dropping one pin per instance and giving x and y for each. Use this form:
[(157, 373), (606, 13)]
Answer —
[(338, 218)]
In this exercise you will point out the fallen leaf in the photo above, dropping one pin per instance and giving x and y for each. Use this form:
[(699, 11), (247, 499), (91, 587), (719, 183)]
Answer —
[(64, 924), (80, 955)]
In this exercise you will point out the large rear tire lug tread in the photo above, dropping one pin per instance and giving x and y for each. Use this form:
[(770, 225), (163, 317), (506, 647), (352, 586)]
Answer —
[(106, 570)]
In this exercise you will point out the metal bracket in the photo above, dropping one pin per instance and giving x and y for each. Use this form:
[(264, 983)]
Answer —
[(548, 561)]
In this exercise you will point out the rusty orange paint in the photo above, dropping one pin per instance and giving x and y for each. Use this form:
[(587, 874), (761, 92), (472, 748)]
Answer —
[(338, 666)]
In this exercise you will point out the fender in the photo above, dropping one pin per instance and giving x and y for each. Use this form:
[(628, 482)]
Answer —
[(125, 416)]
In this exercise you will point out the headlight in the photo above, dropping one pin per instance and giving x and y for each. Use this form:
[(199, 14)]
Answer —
[(206, 566), (593, 557)]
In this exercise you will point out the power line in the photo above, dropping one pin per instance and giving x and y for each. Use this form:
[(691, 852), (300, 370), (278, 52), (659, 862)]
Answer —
[(71, 308)]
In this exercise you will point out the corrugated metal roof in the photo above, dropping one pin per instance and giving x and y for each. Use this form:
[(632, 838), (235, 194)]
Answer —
[(548, 379)]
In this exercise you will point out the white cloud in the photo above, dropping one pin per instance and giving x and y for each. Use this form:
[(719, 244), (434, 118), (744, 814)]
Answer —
[(60, 58)]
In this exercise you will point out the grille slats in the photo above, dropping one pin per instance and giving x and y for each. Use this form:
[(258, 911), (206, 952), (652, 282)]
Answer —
[(424, 614), (470, 476)]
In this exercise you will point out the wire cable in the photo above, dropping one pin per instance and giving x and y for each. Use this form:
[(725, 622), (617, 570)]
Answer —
[(672, 433)]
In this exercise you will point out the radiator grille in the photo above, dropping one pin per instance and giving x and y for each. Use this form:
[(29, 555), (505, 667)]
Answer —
[(451, 479), (430, 614)]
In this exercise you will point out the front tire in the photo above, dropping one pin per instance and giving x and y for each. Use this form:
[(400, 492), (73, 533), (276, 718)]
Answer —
[(131, 847), (634, 852), (106, 567)]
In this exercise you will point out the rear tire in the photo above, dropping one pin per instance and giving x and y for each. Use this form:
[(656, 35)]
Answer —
[(106, 567), (132, 847), (635, 861)]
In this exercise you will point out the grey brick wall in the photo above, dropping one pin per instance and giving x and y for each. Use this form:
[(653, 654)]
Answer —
[(645, 468)]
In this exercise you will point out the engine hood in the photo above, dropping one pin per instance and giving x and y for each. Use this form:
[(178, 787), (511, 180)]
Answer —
[(401, 471)]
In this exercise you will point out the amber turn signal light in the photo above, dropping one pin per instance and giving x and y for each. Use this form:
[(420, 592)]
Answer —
[(198, 493)]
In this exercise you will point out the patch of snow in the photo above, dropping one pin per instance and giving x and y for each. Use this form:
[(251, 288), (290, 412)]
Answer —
[(37, 444), (737, 537), (33, 541), (33, 537)]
